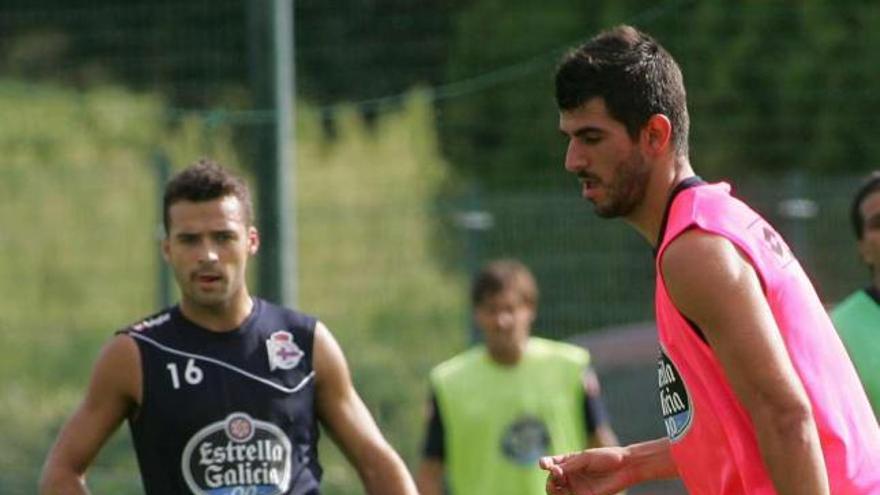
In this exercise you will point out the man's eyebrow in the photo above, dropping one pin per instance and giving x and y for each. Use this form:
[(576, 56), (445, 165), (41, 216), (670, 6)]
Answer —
[(581, 131), (588, 129)]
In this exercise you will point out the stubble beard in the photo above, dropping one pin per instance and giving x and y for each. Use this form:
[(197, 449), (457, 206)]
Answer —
[(626, 189), (208, 301)]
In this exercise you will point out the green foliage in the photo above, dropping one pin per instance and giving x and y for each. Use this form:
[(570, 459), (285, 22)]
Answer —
[(368, 268), (77, 245), (377, 48), (773, 86), (141, 42), (80, 259), (793, 84), (510, 129)]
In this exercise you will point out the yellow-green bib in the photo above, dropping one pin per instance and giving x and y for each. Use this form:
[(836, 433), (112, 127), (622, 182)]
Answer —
[(498, 420)]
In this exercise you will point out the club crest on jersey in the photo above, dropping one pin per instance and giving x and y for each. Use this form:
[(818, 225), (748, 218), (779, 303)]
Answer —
[(675, 404), (283, 351), (525, 440), (238, 455)]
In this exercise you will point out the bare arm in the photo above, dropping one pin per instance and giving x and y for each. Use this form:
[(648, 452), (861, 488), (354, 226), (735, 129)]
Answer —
[(351, 425), (113, 393), (714, 285), (430, 477)]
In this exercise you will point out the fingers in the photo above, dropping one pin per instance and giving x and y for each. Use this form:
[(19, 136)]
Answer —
[(548, 461), (557, 482), (577, 460), (556, 487)]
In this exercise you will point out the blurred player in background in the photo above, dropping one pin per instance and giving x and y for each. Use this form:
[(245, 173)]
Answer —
[(497, 408), (757, 393), (857, 318), (222, 392)]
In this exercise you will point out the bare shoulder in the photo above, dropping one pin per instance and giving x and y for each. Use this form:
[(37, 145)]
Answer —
[(322, 333), (325, 344), (122, 345), (328, 359), (121, 350), (118, 369), (698, 253), (699, 267)]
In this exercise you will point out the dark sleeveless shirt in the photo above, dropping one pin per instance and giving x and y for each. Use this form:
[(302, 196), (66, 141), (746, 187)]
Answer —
[(228, 413)]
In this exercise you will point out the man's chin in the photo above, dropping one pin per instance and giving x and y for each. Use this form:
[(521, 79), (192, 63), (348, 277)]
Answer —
[(613, 210), (606, 211), (209, 300)]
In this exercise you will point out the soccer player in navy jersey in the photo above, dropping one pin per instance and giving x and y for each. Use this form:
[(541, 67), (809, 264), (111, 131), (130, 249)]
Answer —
[(223, 392)]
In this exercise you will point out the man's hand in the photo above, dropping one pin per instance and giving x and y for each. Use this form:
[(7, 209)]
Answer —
[(608, 470), (599, 471)]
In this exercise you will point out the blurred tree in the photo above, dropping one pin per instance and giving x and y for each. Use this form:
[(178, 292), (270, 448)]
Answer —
[(196, 52), (506, 126), (353, 50), (193, 52), (372, 55), (773, 86)]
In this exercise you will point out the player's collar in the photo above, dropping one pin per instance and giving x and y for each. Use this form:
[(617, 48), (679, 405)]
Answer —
[(692, 181)]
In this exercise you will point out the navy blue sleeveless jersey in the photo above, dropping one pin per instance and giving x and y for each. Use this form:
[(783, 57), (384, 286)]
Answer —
[(227, 413)]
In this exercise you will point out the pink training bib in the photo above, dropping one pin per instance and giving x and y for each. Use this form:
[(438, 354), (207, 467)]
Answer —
[(713, 439)]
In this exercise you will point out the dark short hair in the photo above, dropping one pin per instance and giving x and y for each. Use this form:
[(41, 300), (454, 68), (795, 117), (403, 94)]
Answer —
[(205, 180), (870, 184), (500, 275), (634, 75)]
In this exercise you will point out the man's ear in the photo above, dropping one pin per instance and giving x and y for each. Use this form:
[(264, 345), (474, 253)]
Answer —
[(253, 239), (656, 135)]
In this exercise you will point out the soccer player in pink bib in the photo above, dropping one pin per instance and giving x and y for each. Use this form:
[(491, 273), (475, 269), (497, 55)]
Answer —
[(756, 390)]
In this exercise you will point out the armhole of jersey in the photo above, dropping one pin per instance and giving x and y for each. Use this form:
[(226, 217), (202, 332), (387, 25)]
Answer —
[(309, 324), (696, 329), (595, 412), (313, 330), (435, 434)]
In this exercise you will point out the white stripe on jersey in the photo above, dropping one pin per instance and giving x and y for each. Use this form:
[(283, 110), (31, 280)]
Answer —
[(228, 366)]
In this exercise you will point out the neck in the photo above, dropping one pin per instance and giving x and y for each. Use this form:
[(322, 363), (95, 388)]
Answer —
[(647, 218), (222, 317), (506, 358)]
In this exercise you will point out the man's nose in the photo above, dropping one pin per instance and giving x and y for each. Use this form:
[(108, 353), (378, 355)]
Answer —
[(503, 318), (208, 252), (574, 157)]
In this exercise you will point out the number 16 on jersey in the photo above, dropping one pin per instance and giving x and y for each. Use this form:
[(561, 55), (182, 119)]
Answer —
[(192, 374)]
